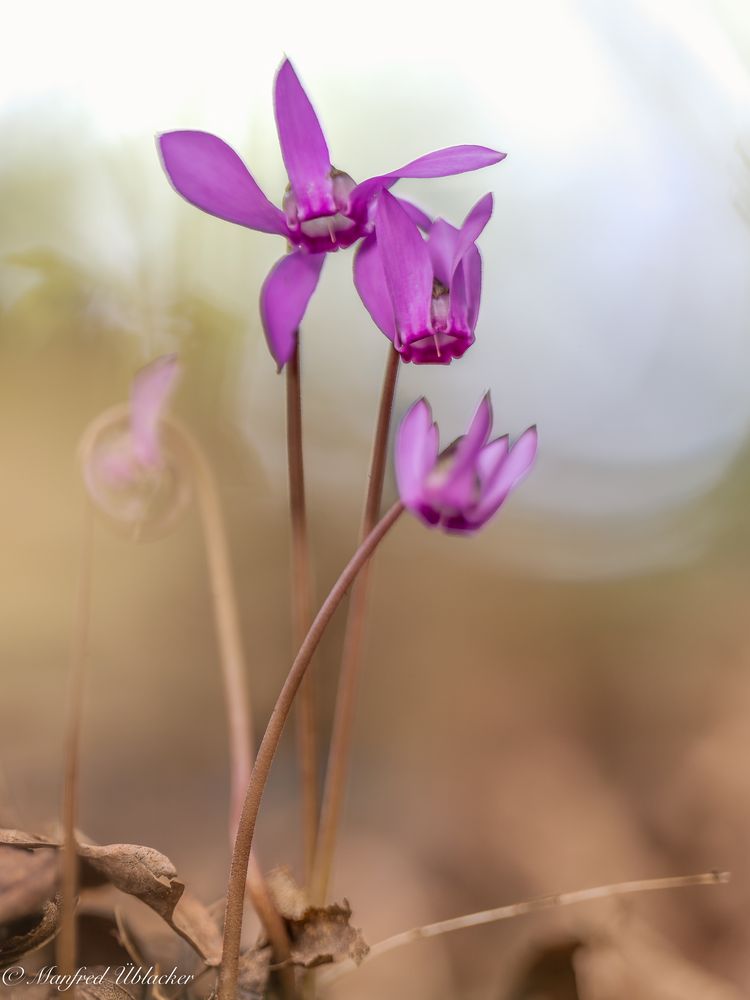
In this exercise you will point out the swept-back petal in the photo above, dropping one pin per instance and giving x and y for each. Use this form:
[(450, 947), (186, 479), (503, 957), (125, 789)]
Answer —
[(472, 228), (406, 265), (471, 267), (369, 280), (416, 451), (149, 394), (210, 175), (508, 475), (303, 145), (441, 163), (490, 459), (284, 298)]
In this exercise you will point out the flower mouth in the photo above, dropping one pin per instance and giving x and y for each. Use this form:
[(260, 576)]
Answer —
[(435, 346), (319, 220), (331, 225)]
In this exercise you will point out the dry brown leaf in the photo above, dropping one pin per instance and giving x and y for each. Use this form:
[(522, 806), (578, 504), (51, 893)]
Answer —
[(148, 875), (19, 838), (318, 934), (326, 935), (27, 881), (151, 877), (253, 975), (195, 923), (18, 939), (139, 871)]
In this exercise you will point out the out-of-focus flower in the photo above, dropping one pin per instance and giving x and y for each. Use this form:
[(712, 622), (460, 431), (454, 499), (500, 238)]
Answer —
[(323, 208), (423, 293), (128, 473), (461, 488)]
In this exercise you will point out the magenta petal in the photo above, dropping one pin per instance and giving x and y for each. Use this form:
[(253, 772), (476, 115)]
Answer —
[(284, 298), (471, 268), (458, 481), (490, 458), (150, 392), (472, 228), (459, 300), (441, 163), (369, 280), (442, 240), (416, 451), (407, 267), (511, 471), (477, 434), (210, 175), (416, 214), (303, 145), (448, 161)]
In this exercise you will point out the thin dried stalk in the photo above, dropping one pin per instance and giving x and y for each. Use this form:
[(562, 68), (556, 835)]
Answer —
[(520, 909)]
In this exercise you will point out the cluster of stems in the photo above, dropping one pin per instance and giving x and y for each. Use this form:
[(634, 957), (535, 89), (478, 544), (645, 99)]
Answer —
[(249, 772)]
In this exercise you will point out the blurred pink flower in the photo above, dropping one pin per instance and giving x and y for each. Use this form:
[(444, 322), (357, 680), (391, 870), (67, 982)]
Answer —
[(126, 470)]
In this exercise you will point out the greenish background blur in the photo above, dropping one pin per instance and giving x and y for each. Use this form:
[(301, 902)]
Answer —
[(559, 702)]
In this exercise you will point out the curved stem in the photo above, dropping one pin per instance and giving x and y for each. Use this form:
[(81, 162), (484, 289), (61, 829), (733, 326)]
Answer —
[(234, 676), (530, 906), (235, 890), (351, 660), (301, 610), (66, 941)]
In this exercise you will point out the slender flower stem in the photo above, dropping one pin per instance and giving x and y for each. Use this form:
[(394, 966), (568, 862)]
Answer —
[(530, 906), (227, 986), (79, 661), (301, 609), (234, 676), (351, 661)]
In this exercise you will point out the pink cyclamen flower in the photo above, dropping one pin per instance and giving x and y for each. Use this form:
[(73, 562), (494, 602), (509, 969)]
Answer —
[(461, 488), (423, 293), (323, 208), (127, 471)]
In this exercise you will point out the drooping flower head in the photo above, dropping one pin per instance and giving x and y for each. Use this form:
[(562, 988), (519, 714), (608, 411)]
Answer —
[(323, 209), (423, 292), (128, 472), (461, 488)]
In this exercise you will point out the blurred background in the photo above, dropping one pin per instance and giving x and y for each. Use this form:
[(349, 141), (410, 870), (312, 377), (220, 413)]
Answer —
[(559, 702)]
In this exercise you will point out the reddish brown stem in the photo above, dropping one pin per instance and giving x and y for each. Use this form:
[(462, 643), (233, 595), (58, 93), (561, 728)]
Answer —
[(351, 660), (227, 987), (301, 609)]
